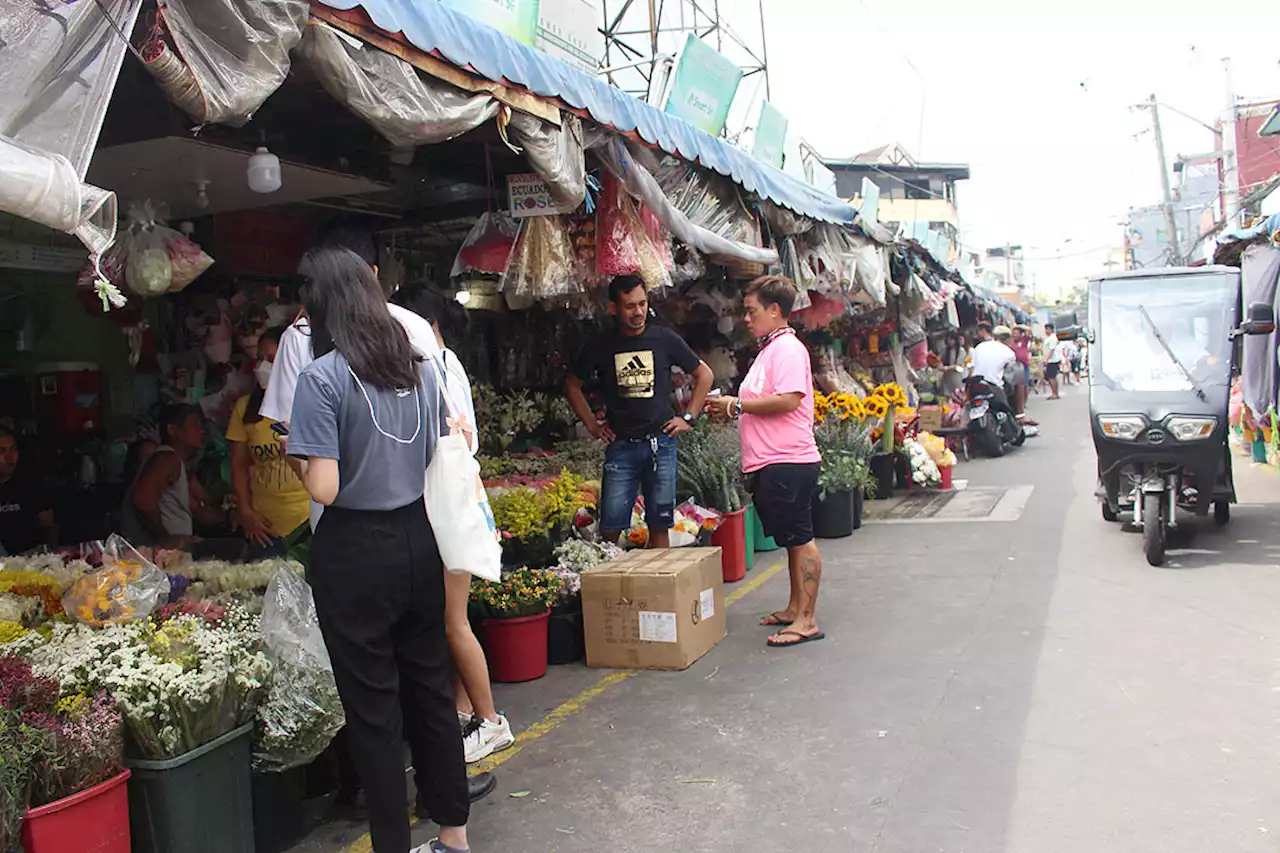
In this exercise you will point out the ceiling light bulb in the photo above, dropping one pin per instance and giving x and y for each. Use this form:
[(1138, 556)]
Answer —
[(264, 171), (202, 194), (463, 297)]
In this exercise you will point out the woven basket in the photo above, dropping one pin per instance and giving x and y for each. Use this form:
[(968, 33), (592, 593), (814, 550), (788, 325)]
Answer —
[(744, 270)]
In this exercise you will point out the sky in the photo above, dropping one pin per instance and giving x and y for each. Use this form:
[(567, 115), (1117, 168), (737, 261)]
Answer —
[(1038, 103)]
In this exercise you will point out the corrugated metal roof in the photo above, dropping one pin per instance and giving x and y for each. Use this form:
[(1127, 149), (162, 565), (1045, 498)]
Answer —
[(432, 27)]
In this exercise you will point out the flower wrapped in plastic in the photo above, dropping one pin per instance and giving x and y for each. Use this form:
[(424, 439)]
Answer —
[(127, 587), (543, 263), (301, 712)]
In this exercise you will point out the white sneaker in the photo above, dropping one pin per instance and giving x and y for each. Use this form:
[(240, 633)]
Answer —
[(483, 738)]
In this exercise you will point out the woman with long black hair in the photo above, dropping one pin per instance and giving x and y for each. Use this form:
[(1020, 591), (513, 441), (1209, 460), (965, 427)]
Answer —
[(364, 425)]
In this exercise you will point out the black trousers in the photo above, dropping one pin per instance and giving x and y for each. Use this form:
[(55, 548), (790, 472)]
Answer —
[(379, 588)]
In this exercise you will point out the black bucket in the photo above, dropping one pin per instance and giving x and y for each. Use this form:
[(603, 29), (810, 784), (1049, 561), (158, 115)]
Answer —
[(833, 515)]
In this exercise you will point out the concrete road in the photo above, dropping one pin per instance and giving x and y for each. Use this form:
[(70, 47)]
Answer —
[(1018, 681)]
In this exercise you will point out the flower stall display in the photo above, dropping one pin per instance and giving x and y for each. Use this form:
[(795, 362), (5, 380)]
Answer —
[(566, 641), (516, 610), (178, 684), (943, 457), (61, 766), (535, 518)]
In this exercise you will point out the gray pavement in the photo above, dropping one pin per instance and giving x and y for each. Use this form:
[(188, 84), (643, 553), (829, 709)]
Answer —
[(1024, 683)]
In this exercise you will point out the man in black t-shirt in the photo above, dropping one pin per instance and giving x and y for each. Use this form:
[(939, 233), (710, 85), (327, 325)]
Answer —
[(633, 364), (26, 512)]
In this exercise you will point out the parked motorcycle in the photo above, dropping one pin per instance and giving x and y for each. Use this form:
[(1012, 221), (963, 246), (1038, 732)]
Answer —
[(993, 427)]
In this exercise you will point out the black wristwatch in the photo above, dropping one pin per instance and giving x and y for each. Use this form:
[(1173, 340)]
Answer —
[(688, 418)]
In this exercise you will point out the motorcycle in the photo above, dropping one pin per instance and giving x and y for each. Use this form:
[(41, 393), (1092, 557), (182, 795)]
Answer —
[(993, 427), (1162, 354)]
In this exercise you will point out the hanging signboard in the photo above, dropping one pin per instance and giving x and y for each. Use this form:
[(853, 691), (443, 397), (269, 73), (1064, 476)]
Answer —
[(21, 256), (516, 18), (527, 196), (569, 30), (703, 87), (771, 136)]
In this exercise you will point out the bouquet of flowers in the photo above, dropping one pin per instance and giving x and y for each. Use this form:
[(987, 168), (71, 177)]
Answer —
[(179, 684), (520, 592), (924, 471), (302, 711)]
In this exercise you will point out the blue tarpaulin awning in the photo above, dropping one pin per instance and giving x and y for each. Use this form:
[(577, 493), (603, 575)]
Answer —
[(433, 27)]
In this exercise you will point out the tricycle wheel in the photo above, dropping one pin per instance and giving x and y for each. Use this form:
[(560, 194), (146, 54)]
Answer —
[(1153, 528), (1221, 512), (1109, 514)]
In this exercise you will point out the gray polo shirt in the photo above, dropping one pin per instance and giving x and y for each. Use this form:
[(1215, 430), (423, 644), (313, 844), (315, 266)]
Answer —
[(382, 439)]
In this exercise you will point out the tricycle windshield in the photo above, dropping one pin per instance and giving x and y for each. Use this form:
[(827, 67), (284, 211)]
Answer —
[(1164, 334)]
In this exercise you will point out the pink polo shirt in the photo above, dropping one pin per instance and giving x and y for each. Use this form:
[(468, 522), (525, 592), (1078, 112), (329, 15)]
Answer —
[(783, 367)]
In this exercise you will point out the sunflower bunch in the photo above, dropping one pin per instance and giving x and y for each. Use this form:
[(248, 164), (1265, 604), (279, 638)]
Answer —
[(892, 393), (876, 407)]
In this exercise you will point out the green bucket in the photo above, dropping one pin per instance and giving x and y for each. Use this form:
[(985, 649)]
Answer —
[(748, 537), (760, 542)]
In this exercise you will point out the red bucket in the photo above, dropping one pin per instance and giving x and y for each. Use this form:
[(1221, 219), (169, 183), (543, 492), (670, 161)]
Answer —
[(516, 648), (731, 538), (96, 820), (945, 471)]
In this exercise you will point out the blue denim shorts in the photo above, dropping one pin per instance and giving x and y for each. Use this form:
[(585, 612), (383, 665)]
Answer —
[(646, 466)]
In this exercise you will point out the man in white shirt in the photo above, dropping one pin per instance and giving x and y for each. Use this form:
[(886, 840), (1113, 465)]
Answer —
[(1052, 352), (992, 361)]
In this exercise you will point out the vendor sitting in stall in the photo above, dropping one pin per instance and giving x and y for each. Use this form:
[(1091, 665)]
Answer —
[(26, 510), (163, 504)]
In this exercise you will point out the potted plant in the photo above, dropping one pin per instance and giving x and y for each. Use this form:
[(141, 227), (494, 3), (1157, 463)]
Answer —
[(63, 756), (534, 521), (515, 612), (843, 433), (710, 473)]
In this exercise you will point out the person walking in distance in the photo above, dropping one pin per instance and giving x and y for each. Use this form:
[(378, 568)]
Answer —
[(1052, 352), (779, 453), (366, 414), (633, 363)]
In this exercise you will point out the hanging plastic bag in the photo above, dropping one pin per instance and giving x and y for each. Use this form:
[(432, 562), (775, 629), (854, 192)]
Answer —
[(302, 711), (655, 256), (158, 260), (542, 265), (488, 246), (128, 586), (458, 505)]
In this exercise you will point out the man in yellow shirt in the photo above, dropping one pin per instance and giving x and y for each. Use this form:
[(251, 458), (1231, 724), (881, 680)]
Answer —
[(270, 499)]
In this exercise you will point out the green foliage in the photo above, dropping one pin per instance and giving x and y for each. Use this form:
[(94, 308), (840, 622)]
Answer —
[(710, 467)]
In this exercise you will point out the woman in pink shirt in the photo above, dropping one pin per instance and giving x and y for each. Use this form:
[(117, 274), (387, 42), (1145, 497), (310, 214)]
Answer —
[(779, 453)]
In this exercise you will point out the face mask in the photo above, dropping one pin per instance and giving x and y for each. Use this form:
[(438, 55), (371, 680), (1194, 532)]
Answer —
[(262, 371)]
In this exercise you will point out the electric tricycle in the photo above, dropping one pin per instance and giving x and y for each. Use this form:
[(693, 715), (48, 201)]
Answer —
[(1162, 355)]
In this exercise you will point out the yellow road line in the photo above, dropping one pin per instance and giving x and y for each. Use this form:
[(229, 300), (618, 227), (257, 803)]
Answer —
[(567, 709)]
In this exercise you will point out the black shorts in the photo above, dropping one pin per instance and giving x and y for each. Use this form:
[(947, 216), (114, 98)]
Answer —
[(783, 495), (1051, 370)]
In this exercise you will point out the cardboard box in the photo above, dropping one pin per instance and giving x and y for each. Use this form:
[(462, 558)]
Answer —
[(930, 418), (654, 609)]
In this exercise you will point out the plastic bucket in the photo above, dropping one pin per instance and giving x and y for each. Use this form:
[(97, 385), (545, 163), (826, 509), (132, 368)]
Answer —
[(833, 515), (1259, 450), (95, 820), (566, 642), (945, 471), (882, 466), (201, 802), (763, 543), (279, 816), (749, 536), (731, 538), (517, 647), (858, 498)]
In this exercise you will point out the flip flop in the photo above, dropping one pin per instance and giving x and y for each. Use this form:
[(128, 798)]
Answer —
[(773, 619), (804, 638)]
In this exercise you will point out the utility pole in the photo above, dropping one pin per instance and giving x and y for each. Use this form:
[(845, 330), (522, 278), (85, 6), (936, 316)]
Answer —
[(1230, 166), (1167, 204)]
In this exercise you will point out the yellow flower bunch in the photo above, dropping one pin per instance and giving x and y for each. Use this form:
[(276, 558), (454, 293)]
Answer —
[(892, 393), (10, 631), (519, 512), (842, 407), (876, 407), (103, 597), (563, 498), (10, 580)]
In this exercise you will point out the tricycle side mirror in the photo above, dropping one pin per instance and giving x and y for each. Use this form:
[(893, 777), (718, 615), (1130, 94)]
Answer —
[(1259, 320)]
